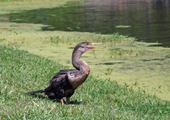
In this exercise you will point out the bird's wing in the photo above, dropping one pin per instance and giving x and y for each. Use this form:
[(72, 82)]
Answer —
[(59, 77)]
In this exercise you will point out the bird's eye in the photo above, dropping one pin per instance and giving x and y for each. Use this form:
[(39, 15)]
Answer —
[(82, 46)]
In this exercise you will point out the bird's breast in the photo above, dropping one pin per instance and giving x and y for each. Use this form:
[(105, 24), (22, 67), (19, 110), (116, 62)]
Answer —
[(76, 79)]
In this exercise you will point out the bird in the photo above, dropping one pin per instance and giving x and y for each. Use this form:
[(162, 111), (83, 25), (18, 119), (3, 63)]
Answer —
[(65, 82)]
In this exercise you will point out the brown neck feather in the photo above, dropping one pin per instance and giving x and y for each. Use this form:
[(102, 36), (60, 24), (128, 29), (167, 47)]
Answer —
[(76, 59), (79, 76), (82, 66)]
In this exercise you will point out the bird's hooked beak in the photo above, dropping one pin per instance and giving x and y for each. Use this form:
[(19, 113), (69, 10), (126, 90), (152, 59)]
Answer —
[(92, 47)]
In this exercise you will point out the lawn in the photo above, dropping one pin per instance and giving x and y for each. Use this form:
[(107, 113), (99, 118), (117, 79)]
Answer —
[(135, 64), (95, 99), (30, 57)]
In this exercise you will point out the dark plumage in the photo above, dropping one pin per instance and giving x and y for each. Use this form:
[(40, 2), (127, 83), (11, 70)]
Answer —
[(64, 83)]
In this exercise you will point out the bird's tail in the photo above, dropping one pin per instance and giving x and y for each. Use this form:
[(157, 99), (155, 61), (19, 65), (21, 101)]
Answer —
[(38, 91)]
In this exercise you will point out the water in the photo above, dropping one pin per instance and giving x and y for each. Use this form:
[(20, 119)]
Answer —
[(147, 20)]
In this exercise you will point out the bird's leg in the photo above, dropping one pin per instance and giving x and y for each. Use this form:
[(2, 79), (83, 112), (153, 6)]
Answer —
[(68, 100), (62, 101)]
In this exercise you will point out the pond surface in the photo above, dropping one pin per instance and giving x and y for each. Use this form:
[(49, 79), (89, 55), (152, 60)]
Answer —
[(147, 20)]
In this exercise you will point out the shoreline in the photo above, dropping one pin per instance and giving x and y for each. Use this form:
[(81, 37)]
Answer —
[(145, 69), (17, 6)]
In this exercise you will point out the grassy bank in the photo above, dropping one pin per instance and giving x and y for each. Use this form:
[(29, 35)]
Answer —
[(131, 64), (117, 66), (95, 99)]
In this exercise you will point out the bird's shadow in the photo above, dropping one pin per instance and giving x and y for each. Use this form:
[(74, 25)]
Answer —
[(74, 102)]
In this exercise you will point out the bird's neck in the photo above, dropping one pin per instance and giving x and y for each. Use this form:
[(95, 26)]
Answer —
[(82, 66), (83, 70), (76, 60)]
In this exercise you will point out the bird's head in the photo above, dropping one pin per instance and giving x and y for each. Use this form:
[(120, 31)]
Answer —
[(79, 50), (84, 46)]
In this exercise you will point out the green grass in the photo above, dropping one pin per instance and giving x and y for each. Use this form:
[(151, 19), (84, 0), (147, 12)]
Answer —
[(114, 38), (21, 71), (15, 0)]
